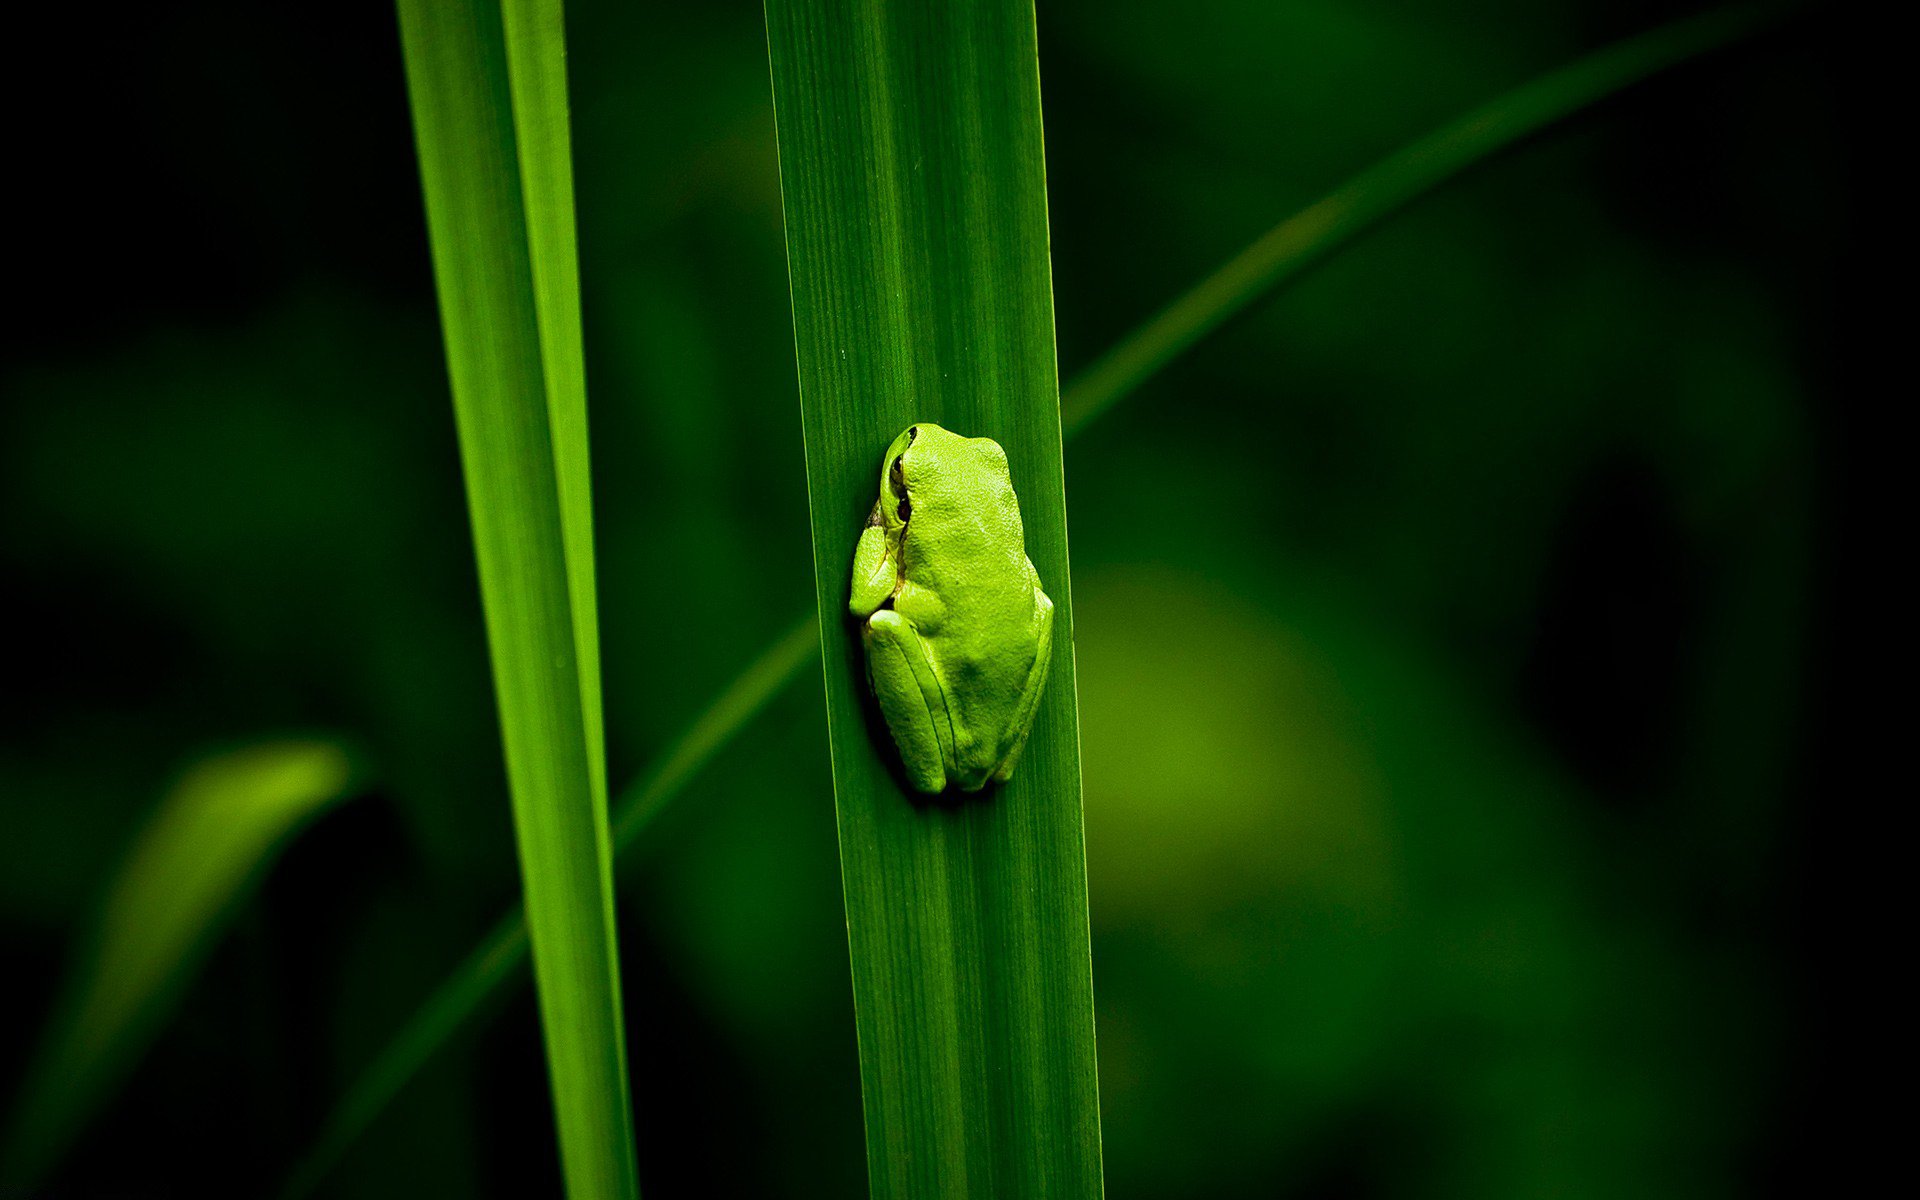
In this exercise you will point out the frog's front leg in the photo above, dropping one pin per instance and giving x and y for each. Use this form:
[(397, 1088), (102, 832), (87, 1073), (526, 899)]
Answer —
[(1029, 705), (875, 574), (910, 698)]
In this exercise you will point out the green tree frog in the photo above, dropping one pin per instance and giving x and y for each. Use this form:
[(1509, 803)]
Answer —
[(958, 634)]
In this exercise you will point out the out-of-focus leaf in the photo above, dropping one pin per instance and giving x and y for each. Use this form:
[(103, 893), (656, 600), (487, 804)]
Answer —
[(211, 839), (1307, 238)]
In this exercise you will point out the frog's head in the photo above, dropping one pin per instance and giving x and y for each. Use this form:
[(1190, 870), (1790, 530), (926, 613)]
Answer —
[(927, 461), (896, 473)]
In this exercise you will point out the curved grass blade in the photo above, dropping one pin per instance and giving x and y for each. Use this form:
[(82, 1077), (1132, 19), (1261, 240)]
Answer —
[(1114, 376), (487, 85), (499, 958), (1310, 236), (209, 842), (742, 700), (913, 181)]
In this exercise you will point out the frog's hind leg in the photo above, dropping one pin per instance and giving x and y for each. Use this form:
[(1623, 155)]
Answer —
[(910, 699), (1030, 698)]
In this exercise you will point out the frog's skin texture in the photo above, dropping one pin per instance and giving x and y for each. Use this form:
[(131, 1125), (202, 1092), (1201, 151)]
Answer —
[(959, 635)]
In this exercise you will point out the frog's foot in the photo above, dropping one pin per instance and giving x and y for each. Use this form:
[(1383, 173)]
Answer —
[(910, 698), (1030, 698)]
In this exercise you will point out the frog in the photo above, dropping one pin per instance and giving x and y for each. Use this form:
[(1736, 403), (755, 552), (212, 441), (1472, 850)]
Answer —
[(957, 629)]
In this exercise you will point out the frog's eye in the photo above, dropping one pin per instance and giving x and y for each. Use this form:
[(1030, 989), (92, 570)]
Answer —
[(898, 477)]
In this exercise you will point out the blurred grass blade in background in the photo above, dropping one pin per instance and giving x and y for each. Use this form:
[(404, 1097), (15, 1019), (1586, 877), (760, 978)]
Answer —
[(1311, 235), (914, 188), (499, 957), (488, 92), (1278, 259), (211, 839)]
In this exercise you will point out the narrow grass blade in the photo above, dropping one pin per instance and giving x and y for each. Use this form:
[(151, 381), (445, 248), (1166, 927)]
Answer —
[(211, 839), (914, 184), (777, 666), (488, 92), (498, 960), (537, 68), (1115, 375), (1310, 236)]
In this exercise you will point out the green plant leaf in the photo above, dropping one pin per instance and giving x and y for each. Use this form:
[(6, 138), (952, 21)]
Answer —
[(498, 958), (914, 184), (1310, 236), (209, 842), (1279, 258), (488, 89)]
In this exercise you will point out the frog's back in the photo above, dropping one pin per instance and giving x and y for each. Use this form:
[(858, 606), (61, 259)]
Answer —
[(965, 542), (975, 601)]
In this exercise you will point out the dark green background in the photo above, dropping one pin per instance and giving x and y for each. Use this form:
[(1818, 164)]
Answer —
[(1458, 634)]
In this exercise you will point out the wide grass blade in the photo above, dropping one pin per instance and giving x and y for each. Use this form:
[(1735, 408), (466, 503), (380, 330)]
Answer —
[(1253, 275), (211, 839), (488, 89), (914, 186)]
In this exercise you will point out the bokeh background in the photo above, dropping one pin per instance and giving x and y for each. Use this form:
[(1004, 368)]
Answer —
[(1460, 634)]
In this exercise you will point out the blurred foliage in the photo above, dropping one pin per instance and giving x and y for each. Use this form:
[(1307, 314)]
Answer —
[(1443, 625), (211, 838)]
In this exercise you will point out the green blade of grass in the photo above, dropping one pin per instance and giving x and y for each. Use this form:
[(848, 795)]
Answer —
[(914, 186), (498, 958), (1251, 276), (1310, 236), (488, 90), (211, 839), (537, 69)]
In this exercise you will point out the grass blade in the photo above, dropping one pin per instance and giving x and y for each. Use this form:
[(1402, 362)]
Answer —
[(914, 187), (1251, 276), (1310, 236), (488, 91), (497, 959), (211, 839), (777, 666), (537, 69)]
